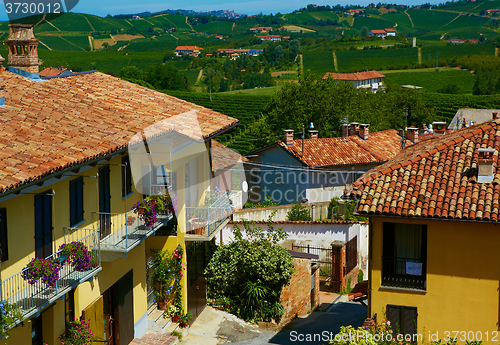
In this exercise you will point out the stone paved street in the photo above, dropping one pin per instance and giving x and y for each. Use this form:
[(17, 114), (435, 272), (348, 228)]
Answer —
[(155, 338)]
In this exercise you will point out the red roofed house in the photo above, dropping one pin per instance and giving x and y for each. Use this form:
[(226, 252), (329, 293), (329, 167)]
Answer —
[(68, 200), (188, 50), (434, 231), (320, 172), (390, 31), (355, 11), (273, 38), (372, 80), (379, 33)]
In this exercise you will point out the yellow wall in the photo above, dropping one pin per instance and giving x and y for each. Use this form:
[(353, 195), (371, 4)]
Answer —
[(462, 278)]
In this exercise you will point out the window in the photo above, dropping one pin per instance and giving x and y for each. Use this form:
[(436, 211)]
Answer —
[(76, 201), (69, 306), (126, 176), (4, 247), (404, 255), (403, 320)]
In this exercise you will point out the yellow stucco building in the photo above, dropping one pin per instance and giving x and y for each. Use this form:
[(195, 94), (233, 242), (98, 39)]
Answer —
[(66, 176), (434, 231)]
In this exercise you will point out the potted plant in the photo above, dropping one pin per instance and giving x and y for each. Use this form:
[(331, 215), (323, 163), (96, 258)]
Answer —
[(10, 315), (147, 208), (164, 276), (45, 269), (184, 319), (171, 311), (130, 220), (78, 255), (77, 332)]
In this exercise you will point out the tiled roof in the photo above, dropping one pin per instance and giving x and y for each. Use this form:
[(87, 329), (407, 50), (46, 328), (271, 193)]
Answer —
[(301, 221), (436, 179), (354, 76), (223, 157), (378, 31), (188, 48), (61, 122), (52, 71), (476, 115), (378, 148), (390, 30)]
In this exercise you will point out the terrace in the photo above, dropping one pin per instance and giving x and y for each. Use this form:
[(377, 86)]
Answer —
[(31, 298), (203, 221)]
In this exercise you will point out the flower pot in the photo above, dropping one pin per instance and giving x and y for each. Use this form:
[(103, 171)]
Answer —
[(130, 220), (162, 305), (141, 209), (176, 318), (183, 324)]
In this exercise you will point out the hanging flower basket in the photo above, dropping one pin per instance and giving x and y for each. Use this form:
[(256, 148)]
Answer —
[(45, 269), (78, 255)]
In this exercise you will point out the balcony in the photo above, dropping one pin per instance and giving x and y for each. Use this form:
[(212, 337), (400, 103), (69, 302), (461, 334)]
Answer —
[(203, 221), (404, 273), (121, 232), (32, 298)]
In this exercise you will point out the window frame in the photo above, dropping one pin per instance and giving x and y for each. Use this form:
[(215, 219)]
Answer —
[(4, 238), (127, 189), (76, 202)]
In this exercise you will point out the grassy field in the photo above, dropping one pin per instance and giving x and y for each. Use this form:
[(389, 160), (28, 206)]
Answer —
[(430, 20), (218, 28), (376, 23), (451, 51), (431, 80), (375, 59), (319, 62), (191, 75), (259, 91)]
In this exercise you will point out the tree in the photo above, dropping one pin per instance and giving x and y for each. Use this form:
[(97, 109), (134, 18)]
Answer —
[(251, 271), (298, 212), (451, 88), (295, 46), (131, 72), (165, 77), (364, 31), (105, 45), (278, 53)]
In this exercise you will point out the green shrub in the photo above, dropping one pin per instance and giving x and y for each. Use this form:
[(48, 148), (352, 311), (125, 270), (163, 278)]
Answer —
[(298, 212), (360, 276)]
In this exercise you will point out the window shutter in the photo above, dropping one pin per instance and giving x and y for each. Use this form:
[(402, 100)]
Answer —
[(72, 202), (79, 199), (394, 316), (410, 320), (3, 235)]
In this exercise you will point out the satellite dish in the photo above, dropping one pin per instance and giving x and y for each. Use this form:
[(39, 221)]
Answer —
[(244, 186)]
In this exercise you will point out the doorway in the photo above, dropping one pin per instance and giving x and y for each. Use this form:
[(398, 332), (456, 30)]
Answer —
[(104, 201), (197, 285), (109, 313), (43, 225)]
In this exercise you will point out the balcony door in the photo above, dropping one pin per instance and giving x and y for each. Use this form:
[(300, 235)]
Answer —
[(104, 201), (43, 225)]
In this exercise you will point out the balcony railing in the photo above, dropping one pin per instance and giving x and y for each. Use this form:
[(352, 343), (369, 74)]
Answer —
[(31, 298), (404, 273), (121, 232), (204, 220)]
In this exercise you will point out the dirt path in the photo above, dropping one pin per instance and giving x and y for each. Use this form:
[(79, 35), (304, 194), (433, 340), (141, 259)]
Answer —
[(90, 43), (189, 24), (301, 64), (46, 46), (335, 63), (409, 17), (41, 20), (72, 43), (419, 55), (52, 25), (199, 77), (451, 21), (88, 22), (234, 24)]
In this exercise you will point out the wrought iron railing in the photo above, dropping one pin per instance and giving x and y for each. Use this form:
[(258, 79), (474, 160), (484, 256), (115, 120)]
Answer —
[(204, 220), (404, 273), (124, 231), (30, 298)]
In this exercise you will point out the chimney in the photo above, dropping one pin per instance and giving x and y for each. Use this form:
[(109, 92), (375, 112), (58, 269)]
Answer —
[(345, 130), (412, 134), (23, 51), (313, 134), (288, 136), (495, 116), (465, 124), (363, 131), (439, 128), (485, 169), (354, 128)]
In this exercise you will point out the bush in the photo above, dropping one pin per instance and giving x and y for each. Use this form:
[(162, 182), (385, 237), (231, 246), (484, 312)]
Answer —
[(360, 276), (250, 272), (298, 212), (77, 333)]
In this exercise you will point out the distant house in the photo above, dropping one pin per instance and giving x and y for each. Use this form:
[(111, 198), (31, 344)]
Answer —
[(136, 17), (492, 11), (361, 80), (238, 52), (218, 37), (390, 31), (188, 50), (456, 41), (274, 38), (466, 117), (317, 168), (355, 11), (379, 33)]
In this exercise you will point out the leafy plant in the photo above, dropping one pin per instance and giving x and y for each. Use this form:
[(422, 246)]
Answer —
[(298, 212), (360, 276), (268, 202), (45, 269), (78, 255), (184, 319), (10, 315), (149, 214), (167, 273), (177, 334), (77, 332), (347, 288), (250, 272)]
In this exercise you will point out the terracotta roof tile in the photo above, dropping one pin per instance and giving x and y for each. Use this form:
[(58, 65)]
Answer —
[(436, 178), (52, 125), (354, 76)]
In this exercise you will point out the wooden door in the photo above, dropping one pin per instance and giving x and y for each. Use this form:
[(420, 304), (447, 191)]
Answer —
[(104, 201), (197, 286), (95, 316), (43, 225), (125, 309), (110, 321)]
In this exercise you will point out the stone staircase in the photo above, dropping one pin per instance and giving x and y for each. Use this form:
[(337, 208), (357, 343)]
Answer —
[(157, 323)]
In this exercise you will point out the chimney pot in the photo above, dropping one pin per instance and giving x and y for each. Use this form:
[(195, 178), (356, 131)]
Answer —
[(364, 131), (465, 124), (313, 134), (354, 128), (345, 130), (439, 128), (485, 171), (288, 136), (495, 116), (23, 50), (412, 134)]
